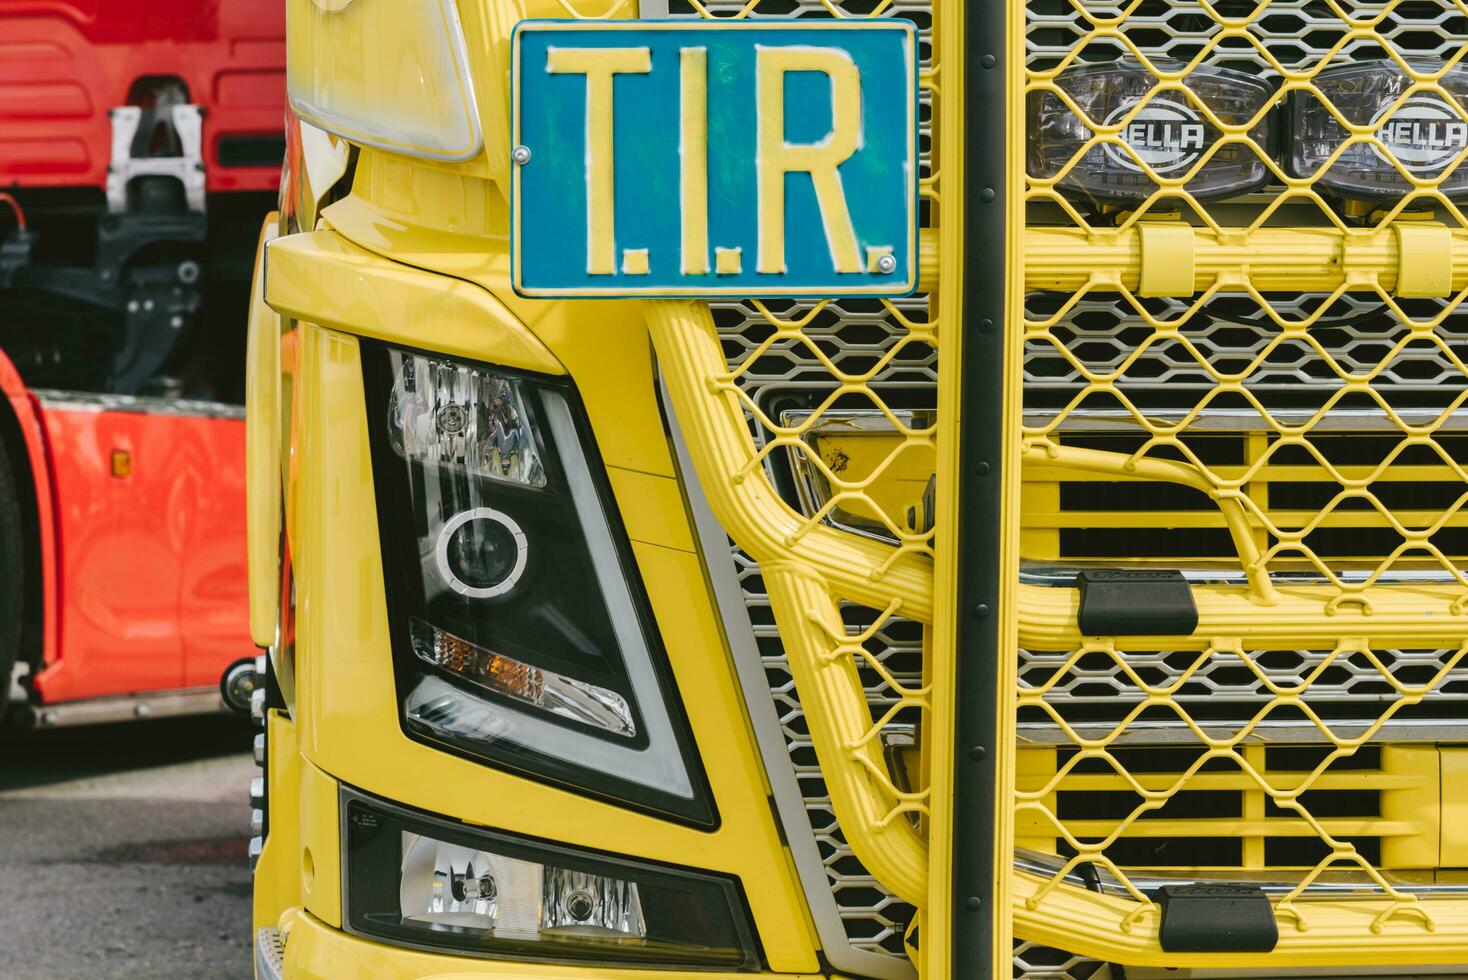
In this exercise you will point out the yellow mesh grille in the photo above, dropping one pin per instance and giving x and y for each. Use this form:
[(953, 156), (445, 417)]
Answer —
[(1235, 414), (1264, 392)]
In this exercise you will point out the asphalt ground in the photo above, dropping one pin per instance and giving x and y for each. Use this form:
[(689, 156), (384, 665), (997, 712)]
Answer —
[(123, 851)]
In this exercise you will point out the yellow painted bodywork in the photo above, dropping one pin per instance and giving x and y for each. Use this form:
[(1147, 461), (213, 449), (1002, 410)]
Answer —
[(262, 451), (345, 714), (277, 875), (418, 255)]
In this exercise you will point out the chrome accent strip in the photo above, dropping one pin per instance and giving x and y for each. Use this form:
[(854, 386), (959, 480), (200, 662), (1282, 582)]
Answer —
[(861, 421), (1337, 884), (269, 954), (1062, 575), (1263, 733), (159, 704), (714, 551), (88, 401)]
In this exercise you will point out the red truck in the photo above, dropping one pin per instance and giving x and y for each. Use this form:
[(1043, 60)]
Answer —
[(140, 148)]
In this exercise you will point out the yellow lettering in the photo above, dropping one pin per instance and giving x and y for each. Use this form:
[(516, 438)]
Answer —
[(600, 66), (775, 157), (693, 152)]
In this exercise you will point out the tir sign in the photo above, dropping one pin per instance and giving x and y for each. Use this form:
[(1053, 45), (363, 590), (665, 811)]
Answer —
[(697, 159)]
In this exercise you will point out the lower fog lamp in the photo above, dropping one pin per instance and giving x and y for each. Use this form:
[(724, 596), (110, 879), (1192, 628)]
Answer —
[(424, 881)]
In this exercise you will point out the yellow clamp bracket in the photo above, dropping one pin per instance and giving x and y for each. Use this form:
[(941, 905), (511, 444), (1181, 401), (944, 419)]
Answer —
[(1168, 268), (1424, 259)]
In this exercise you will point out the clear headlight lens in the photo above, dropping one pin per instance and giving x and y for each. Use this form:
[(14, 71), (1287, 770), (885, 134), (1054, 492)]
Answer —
[(520, 631), (427, 881), (1425, 133), (454, 414), (1169, 133)]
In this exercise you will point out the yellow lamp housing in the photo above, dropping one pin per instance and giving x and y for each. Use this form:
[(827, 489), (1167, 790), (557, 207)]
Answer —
[(393, 75)]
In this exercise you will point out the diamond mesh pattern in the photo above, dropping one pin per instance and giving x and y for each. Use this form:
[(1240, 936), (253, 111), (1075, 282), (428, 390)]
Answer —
[(874, 918), (1342, 474), (1034, 962), (1094, 691), (823, 357)]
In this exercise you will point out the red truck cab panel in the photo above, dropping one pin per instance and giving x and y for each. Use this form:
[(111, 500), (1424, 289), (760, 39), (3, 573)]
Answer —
[(149, 511), (65, 63)]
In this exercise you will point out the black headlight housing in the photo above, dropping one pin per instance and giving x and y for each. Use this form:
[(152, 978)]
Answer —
[(1425, 133), (521, 633), (1168, 132), (419, 880)]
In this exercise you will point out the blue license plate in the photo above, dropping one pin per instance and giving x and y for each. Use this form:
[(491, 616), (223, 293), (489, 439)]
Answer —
[(700, 159)]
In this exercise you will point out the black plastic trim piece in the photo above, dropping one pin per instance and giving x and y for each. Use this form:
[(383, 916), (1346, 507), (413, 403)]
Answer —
[(980, 485), (364, 878), (1216, 918), (1136, 602)]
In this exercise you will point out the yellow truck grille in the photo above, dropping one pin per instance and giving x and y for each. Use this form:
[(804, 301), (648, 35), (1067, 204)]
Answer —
[(1265, 393), (1281, 421)]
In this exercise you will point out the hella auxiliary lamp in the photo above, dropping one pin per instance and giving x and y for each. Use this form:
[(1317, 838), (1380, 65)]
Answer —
[(1166, 132), (1163, 134), (1424, 131), (521, 635)]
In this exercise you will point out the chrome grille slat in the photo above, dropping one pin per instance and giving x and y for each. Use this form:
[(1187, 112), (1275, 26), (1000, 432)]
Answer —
[(874, 919)]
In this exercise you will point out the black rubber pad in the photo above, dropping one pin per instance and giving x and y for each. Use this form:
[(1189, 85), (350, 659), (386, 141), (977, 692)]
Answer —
[(1216, 919), (1136, 602)]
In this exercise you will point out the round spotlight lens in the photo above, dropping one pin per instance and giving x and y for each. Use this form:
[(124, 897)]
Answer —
[(481, 553)]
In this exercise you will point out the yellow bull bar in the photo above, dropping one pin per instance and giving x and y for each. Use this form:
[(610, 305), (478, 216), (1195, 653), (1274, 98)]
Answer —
[(810, 569)]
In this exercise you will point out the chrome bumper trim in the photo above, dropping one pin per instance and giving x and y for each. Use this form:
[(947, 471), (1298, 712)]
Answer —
[(155, 704), (269, 954)]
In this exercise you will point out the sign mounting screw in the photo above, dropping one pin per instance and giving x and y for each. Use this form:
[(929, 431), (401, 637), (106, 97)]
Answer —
[(520, 155), (887, 264)]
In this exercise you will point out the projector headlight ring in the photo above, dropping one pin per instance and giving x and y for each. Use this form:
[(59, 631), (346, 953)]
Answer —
[(500, 572)]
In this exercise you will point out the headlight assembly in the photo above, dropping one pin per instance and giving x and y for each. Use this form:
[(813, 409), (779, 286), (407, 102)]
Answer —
[(1425, 132), (425, 881), (521, 635), (1168, 133)]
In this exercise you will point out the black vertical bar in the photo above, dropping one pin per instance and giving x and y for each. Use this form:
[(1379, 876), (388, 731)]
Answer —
[(981, 435)]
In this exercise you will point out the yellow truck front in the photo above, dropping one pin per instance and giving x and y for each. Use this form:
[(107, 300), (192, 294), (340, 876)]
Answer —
[(865, 489)]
